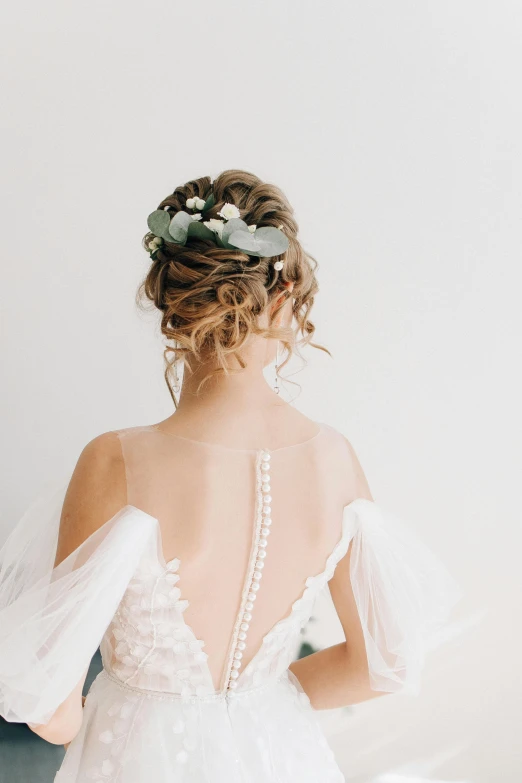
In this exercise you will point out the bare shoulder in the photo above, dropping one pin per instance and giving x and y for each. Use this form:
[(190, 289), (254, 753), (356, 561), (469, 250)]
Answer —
[(102, 451), (99, 466), (97, 490), (358, 481), (351, 473)]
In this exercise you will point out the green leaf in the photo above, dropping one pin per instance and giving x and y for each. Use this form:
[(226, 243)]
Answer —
[(235, 224), (197, 229), (265, 242), (269, 250), (209, 203), (245, 241), (178, 227), (274, 241), (158, 222)]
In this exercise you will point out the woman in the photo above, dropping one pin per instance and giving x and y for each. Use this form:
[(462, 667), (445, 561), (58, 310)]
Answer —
[(192, 550)]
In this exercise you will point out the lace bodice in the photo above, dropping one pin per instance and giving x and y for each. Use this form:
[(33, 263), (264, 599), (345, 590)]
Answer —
[(148, 644)]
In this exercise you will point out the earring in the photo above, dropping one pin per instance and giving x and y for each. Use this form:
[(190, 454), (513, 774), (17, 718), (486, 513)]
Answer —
[(277, 388), (177, 382)]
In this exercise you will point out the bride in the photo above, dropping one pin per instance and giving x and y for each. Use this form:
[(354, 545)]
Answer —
[(192, 550)]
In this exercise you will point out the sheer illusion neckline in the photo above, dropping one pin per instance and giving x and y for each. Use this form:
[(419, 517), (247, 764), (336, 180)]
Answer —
[(155, 428)]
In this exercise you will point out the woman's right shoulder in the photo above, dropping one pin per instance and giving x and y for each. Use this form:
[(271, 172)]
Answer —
[(100, 455), (96, 491), (107, 454), (98, 486)]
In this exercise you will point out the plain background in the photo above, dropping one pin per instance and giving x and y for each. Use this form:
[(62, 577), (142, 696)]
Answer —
[(394, 129)]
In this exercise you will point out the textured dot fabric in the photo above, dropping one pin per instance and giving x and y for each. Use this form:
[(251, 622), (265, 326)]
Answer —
[(197, 592)]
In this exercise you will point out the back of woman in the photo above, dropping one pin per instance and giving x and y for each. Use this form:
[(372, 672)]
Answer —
[(240, 520), (192, 550)]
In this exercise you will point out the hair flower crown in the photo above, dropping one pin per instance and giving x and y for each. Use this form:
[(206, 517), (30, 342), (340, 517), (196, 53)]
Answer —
[(231, 232)]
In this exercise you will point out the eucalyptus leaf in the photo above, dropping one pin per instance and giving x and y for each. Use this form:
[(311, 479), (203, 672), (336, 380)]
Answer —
[(169, 238), (246, 241), (178, 228), (158, 222), (270, 250), (197, 229), (277, 241), (209, 203), (235, 224)]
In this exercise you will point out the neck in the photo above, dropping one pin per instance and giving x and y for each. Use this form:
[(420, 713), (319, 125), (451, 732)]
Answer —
[(225, 394)]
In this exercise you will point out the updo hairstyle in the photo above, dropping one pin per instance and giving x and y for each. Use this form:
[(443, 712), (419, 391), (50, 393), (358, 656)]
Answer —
[(210, 298)]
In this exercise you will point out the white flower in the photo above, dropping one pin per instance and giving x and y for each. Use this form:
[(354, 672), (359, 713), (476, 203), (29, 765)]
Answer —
[(197, 216), (252, 228), (215, 225), (229, 211), (195, 203)]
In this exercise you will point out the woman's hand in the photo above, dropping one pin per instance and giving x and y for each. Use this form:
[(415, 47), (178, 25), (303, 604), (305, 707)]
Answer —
[(68, 743)]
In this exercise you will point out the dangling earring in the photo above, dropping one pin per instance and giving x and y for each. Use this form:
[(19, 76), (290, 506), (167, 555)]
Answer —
[(277, 388), (177, 383), (177, 380)]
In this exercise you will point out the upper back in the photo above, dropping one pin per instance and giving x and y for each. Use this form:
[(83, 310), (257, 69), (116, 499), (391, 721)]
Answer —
[(237, 518)]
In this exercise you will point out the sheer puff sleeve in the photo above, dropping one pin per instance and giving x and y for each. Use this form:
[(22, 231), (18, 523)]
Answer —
[(52, 619), (402, 592)]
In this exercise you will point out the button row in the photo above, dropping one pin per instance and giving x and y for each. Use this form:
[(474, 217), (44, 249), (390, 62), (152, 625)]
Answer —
[(255, 579)]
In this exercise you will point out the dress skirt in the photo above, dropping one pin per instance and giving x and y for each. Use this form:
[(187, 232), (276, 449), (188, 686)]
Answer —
[(267, 734)]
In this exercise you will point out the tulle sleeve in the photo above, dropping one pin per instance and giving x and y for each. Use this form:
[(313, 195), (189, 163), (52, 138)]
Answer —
[(403, 592), (53, 619)]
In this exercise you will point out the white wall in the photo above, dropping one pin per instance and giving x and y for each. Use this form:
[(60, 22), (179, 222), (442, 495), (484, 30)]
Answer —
[(394, 129)]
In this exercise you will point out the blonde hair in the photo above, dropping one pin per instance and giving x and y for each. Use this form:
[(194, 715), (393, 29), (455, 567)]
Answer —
[(211, 298)]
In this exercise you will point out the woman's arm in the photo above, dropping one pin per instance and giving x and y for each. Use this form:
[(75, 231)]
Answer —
[(66, 721), (338, 676), (96, 491)]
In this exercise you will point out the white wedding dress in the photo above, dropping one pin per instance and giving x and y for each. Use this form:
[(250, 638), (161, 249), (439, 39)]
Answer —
[(197, 592)]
